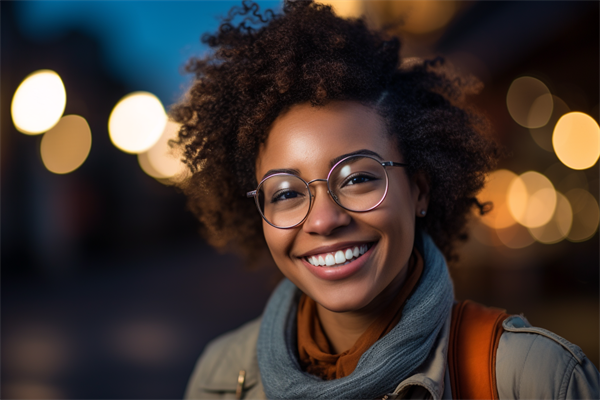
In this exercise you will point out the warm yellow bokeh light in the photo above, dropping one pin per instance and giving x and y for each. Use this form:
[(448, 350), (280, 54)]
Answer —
[(147, 167), (586, 215), (414, 16), (39, 102), (495, 190), (425, 16), (531, 199), (162, 158), (543, 135), (576, 140), (346, 8), (515, 237), (66, 146), (540, 111), (529, 102), (559, 226), (483, 233), (137, 122)]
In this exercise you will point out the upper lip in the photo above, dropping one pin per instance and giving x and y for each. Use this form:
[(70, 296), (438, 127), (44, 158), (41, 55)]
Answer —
[(333, 247)]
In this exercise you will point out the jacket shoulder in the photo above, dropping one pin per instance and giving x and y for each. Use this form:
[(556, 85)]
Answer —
[(536, 363), (217, 370)]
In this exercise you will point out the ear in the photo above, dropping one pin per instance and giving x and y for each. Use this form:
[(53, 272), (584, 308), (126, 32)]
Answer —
[(420, 186)]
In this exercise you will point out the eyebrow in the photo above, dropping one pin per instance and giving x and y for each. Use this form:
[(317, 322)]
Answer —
[(364, 152), (334, 161), (280, 171)]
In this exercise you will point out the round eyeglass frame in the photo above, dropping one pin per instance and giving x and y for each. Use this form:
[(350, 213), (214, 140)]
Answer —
[(384, 164)]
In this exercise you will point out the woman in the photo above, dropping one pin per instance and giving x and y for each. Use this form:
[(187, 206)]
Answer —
[(308, 137)]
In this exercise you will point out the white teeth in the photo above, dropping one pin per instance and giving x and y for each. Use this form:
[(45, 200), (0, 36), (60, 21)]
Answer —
[(348, 254), (329, 260), (340, 257)]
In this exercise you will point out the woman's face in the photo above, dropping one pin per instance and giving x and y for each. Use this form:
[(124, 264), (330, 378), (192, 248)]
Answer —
[(307, 139)]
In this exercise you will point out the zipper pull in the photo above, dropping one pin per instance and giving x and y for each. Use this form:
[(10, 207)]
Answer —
[(240, 384)]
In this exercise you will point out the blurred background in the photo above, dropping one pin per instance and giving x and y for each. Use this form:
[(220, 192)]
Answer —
[(107, 289)]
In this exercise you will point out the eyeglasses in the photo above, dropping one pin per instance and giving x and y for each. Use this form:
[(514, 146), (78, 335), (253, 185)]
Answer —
[(356, 183)]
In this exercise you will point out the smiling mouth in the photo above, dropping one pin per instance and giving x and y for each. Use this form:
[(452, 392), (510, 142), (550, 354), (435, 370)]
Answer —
[(340, 257)]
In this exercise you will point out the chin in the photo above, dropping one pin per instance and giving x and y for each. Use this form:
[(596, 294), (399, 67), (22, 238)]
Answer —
[(340, 301)]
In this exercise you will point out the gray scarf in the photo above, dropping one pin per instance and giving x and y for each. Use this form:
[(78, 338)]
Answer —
[(383, 366)]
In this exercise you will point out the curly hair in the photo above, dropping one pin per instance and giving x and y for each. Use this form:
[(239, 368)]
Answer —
[(269, 62)]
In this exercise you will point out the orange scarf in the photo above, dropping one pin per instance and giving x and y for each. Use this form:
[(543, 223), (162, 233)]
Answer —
[(313, 346)]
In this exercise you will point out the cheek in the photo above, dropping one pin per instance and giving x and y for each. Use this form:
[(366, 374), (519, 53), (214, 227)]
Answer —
[(400, 204), (397, 220), (396, 223), (279, 242)]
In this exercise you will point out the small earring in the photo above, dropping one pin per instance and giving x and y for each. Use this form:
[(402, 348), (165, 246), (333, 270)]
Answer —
[(423, 212)]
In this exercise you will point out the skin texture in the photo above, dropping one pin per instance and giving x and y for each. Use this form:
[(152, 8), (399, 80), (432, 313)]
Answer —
[(307, 138)]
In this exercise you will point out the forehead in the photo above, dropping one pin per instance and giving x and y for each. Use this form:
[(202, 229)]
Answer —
[(307, 138)]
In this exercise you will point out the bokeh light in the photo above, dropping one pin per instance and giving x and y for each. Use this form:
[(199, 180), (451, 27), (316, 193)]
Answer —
[(38, 102), (540, 111), (483, 233), (543, 135), (565, 179), (137, 122), (575, 180), (38, 349), (559, 226), (32, 390), (495, 190), (144, 341), (576, 140), (586, 215), (414, 17), (346, 8), (66, 146), (529, 102), (531, 199), (162, 157), (147, 167), (515, 236)]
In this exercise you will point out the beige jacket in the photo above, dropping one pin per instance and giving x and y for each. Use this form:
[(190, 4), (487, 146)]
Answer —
[(531, 363)]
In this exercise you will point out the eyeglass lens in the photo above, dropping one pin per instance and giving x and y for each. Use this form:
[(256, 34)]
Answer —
[(357, 184)]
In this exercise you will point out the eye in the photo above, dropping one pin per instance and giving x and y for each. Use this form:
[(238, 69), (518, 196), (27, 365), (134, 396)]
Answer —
[(359, 177), (285, 195)]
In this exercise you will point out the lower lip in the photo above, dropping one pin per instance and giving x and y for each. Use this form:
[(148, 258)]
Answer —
[(341, 272)]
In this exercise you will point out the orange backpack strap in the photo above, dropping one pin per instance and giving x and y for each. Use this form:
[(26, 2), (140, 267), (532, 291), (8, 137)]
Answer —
[(474, 335)]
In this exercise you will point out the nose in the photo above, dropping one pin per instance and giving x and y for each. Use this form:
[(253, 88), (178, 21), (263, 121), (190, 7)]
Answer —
[(325, 215)]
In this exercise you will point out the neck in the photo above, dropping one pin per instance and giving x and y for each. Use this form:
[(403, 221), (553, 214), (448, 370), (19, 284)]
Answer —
[(343, 329)]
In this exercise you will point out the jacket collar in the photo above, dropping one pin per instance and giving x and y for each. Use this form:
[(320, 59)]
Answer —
[(226, 357), (431, 379)]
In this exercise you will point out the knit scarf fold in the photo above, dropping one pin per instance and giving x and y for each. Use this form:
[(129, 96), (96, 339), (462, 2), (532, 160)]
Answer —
[(314, 350), (383, 366)]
